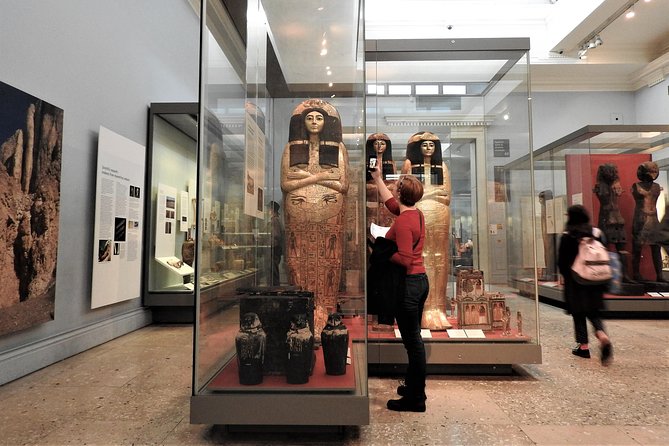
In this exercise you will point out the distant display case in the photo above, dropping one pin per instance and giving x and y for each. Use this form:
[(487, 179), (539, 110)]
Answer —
[(619, 173), (271, 346), (171, 170), (233, 252), (471, 97)]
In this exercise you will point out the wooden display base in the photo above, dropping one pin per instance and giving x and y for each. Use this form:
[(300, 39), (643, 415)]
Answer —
[(266, 408)]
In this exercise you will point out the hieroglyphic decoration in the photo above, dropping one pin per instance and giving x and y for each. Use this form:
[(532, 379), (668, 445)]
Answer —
[(425, 161), (474, 304), (314, 180), (498, 306)]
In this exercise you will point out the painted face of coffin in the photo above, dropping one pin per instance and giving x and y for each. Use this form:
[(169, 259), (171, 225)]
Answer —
[(427, 147), (314, 122), (379, 146)]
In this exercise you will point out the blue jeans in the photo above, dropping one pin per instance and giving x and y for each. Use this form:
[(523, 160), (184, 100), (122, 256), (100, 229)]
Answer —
[(409, 315)]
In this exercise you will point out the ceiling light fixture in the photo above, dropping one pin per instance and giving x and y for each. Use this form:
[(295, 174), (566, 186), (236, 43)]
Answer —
[(593, 39), (630, 13)]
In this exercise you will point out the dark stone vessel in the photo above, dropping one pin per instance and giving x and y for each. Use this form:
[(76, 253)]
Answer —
[(300, 342), (276, 306), (334, 339), (250, 343)]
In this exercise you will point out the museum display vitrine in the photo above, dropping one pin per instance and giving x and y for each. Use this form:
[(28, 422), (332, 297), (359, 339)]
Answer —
[(234, 255), (619, 174), (469, 99), (280, 176), (170, 210)]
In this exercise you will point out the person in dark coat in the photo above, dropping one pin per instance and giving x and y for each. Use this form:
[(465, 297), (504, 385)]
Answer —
[(583, 301), (385, 281)]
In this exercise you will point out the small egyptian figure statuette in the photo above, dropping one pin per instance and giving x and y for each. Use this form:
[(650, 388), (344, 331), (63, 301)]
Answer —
[(608, 191), (646, 224), (334, 339), (507, 322), (250, 343), (519, 323)]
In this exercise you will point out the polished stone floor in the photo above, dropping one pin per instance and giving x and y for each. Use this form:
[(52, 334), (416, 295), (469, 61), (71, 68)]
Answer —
[(135, 390)]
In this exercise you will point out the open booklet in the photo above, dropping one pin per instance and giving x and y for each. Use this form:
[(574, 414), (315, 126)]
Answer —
[(378, 231)]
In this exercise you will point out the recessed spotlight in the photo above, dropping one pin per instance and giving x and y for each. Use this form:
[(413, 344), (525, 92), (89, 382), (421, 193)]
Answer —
[(329, 72), (330, 84), (505, 116), (630, 13), (324, 51)]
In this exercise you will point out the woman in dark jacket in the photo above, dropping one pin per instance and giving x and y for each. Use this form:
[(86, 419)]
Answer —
[(583, 301)]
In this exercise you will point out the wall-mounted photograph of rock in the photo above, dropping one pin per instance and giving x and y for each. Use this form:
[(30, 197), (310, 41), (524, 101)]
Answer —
[(31, 137)]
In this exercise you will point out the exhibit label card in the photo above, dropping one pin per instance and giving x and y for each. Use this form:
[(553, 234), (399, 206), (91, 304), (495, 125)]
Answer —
[(119, 214), (254, 164)]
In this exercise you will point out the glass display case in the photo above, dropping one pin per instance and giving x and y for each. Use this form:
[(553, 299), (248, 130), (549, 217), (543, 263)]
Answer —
[(619, 174), (470, 98), (281, 231), (170, 211)]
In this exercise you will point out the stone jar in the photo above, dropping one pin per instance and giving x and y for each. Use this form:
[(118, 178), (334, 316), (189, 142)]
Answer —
[(334, 339), (188, 251), (300, 342), (250, 343)]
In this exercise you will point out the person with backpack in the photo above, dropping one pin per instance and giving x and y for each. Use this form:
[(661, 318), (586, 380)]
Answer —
[(584, 296)]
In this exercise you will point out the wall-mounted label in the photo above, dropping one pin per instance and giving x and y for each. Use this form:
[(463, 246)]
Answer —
[(500, 148)]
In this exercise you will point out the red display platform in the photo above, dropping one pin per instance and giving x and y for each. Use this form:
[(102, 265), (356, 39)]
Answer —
[(357, 325), (228, 379), (644, 296)]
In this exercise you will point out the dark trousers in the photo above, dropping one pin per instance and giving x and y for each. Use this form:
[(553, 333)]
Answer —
[(581, 327), (277, 253), (409, 315)]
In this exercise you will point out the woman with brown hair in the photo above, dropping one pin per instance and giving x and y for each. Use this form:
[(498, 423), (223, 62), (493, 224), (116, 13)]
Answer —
[(408, 232)]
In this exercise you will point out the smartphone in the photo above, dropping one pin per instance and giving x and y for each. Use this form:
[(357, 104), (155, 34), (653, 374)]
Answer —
[(372, 163)]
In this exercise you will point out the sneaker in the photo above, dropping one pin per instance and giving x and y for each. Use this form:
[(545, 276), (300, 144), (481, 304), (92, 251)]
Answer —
[(607, 354), (406, 405), (583, 353)]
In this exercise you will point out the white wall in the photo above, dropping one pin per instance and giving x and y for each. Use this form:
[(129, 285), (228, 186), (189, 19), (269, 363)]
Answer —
[(555, 115), (652, 104), (102, 62)]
